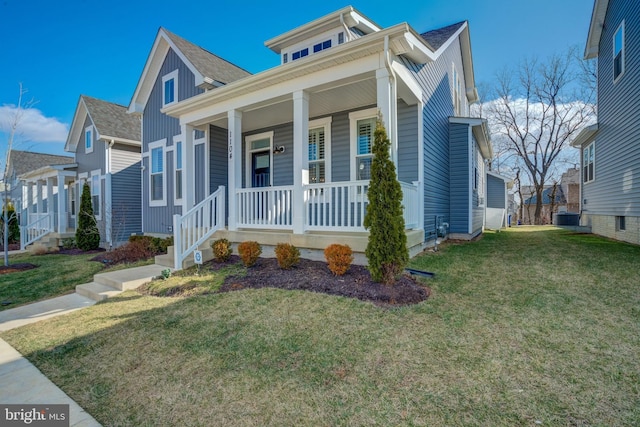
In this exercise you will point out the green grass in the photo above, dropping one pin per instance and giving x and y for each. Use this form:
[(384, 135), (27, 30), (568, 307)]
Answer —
[(526, 327), (56, 275)]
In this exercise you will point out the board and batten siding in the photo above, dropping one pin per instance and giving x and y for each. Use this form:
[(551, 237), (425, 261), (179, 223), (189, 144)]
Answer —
[(436, 83), (495, 192), (218, 162), (407, 142), (157, 126), (126, 182), (95, 160), (477, 208), (459, 178), (615, 190)]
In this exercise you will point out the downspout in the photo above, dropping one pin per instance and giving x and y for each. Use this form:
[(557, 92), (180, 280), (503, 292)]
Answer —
[(347, 32), (108, 196)]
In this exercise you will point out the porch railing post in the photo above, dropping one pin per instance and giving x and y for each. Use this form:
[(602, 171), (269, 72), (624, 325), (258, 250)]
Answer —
[(177, 242), (300, 157)]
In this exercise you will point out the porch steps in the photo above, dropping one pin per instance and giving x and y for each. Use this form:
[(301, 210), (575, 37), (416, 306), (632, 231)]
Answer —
[(49, 241), (167, 260), (106, 285)]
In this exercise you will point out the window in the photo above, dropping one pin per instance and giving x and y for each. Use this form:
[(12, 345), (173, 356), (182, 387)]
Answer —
[(178, 181), (340, 37), (363, 125), (170, 88), (300, 54), (285, 58), (95, 193), (321, 46), (157, 184), (588, 163), (618, 53), (319, 150), (258, 160), (620, 223), (88, 140), (72, 199), (458, 100)]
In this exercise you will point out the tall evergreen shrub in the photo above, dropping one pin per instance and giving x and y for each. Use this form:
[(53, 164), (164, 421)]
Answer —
[(387, 247), (87, 233)]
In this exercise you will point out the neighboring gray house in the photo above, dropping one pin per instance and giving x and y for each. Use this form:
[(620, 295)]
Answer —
[(284, 155), (24, 162), (105, 141), (610, 149)]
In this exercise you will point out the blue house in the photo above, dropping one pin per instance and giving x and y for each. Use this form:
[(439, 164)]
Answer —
[(284, 155), (610, 152)]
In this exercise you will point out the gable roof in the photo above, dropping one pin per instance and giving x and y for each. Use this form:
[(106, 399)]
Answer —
[(210, 70), (26, 161), (439, 39), (547, 196), (591, 50), (110, 120)]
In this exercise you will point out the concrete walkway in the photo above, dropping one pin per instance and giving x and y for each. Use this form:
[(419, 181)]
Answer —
[(23, 383)]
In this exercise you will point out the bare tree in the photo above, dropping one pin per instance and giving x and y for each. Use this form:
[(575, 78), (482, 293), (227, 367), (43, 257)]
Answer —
[(13, 126), (537, 112)]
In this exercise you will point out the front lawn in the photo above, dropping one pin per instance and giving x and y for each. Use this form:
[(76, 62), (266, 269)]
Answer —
[(533, 326)]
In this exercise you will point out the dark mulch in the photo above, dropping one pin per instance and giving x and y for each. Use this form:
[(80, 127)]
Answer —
[(315, 276), (12, 247), (13, 268)]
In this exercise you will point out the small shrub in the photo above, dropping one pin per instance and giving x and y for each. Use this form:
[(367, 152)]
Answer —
[(249, 252), (69, 243), (221, 250), (166, 273), (155, 245), (39, 249), (339, 258), (287, 255), (129, 252)]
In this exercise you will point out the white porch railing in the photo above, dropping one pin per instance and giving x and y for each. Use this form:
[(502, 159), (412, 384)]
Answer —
[(411, 205), (40, 227), (197, 225), (339, 206), (265, 207)]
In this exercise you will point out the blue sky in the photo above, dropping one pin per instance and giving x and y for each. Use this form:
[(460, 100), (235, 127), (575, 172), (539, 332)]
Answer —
[(61, 49)]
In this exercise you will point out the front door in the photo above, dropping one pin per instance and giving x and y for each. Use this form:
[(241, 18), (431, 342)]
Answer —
[(260, 170)]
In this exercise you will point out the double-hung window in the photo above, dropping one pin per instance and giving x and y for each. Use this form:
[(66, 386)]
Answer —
[(95, 193), (363, 125), (319, 150), (618, 53), (157, 185), (170, 88), (178, 181), (588, 163)]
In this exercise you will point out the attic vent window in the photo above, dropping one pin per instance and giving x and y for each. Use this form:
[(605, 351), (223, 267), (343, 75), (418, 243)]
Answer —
[(285, 58), (340, 37), (322, 46), (300, 54)]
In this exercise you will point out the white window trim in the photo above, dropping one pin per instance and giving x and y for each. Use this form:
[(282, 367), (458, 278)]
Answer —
[(177, 139), (353, 135), (89, 130), (97, 173), (584, 165), (248, 140), (172, 75), (75, 187), (325, 123), (623, 52), (153, 145)]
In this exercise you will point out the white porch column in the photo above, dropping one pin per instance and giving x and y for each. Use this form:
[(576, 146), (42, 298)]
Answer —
[(234, 174), (39, 207), (62, 205), (300, 157), (388, 108), (189, 166), (50, 204), (27, 200)]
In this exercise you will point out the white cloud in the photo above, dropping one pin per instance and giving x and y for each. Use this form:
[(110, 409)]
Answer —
[(33, 126)]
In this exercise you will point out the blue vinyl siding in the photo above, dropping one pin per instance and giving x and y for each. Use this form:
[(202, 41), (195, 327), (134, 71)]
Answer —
[(340, 160), (615, 190), (218, 161), (200, 171), (157, 126), (407, 142), (126, 203), (459, 178), (435, 81), (95, 160)]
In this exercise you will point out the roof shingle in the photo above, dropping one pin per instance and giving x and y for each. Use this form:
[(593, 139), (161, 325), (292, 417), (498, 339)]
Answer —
[(112, 119), (436, 38), (27, 161)]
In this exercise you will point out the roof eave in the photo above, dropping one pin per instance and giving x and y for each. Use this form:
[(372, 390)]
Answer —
[(586, 135), (595, 28)]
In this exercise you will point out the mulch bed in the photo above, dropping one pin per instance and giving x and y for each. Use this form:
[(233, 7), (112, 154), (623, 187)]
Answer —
[(12, 247), (14, 268), (315, 276)]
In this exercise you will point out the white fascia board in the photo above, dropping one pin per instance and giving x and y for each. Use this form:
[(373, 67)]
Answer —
[(480, 130), (408, 79), (77, 127), (595, 28), (107, 139), (49, 172), (586, 135)]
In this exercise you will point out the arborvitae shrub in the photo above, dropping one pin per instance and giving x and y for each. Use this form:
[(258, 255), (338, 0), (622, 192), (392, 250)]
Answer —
[(221, 250), (249, 252), (339, 258), (287, 255), (87, 233), (387, 247)]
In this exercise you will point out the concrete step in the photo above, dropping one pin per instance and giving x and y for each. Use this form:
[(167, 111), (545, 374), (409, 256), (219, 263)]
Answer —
[(165, 260), (130, 278), (96, 291)]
